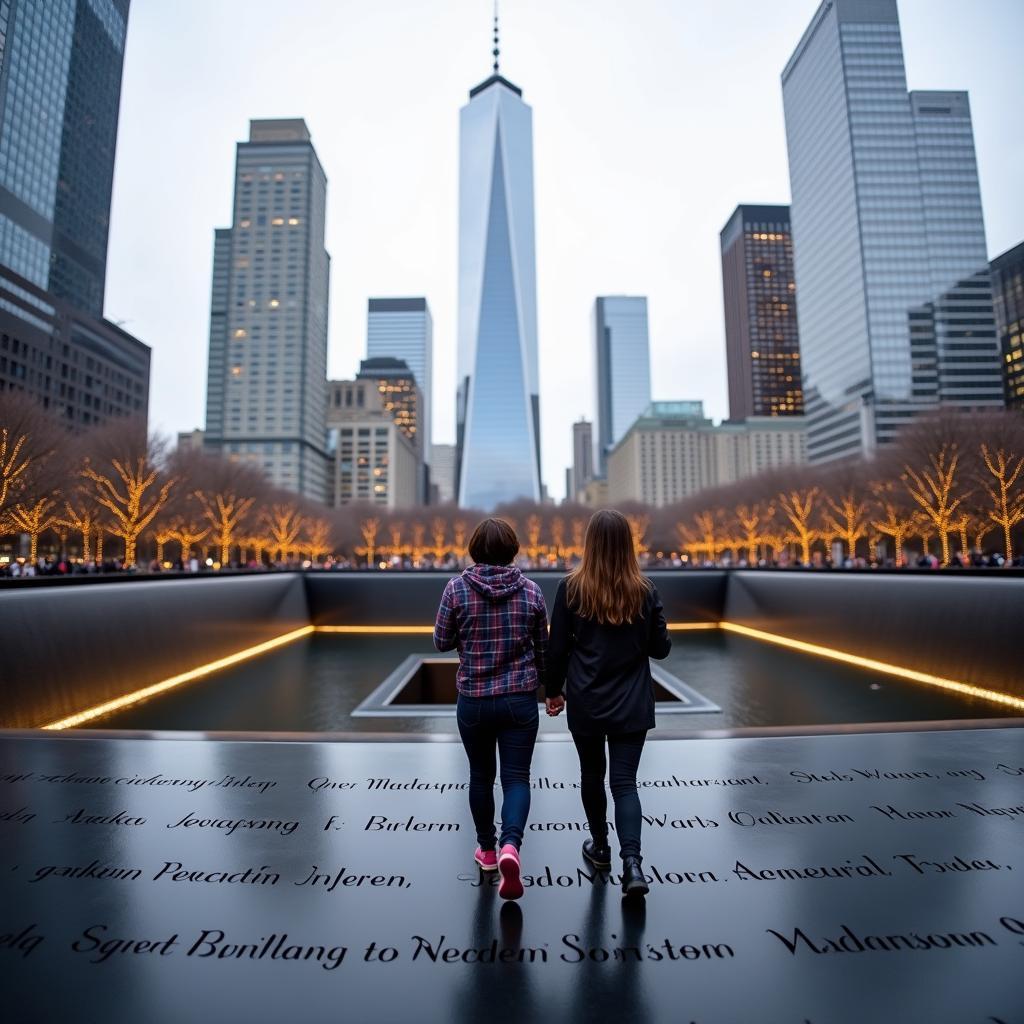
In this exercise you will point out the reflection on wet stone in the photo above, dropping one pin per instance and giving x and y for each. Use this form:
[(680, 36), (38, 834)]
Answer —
[(785, 874)]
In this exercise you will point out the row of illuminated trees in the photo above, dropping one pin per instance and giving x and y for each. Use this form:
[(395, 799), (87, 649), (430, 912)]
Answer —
[(951, 482)]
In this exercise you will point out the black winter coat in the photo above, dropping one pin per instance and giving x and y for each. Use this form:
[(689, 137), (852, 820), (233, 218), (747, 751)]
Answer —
[(605, 669)]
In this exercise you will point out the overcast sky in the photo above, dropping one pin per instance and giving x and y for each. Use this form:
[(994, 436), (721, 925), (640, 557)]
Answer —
[(652, 120)]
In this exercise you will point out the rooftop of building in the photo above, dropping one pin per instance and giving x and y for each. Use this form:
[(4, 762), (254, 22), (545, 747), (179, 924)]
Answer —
[(279, 129), (414, 304), (495, 79)]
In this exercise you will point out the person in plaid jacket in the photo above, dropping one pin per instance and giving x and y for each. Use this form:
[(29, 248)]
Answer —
[(496, 618)]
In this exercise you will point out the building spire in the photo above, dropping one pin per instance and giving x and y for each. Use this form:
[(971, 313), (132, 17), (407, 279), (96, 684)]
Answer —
[(497, 49)]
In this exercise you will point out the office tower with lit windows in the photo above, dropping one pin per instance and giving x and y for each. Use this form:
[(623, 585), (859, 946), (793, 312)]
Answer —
[(1008, 298), (623, 361), (762, 344), (267, 376), (498, 411), (372, 459), (404, 329), (886, 218), (402, 399)]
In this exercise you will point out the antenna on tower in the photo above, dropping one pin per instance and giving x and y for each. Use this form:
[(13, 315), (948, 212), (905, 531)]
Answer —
[(497, 50)]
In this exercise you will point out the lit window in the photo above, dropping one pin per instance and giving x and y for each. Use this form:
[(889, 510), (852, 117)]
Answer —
[(236, 371), (240, 332), (277, 221), (274, 303), (244, 223), (293, 221)]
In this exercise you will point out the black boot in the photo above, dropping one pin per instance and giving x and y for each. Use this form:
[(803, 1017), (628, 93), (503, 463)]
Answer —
[(598, 853), (633, 881)]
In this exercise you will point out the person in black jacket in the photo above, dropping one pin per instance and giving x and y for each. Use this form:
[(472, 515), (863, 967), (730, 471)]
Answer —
[(606, 623)]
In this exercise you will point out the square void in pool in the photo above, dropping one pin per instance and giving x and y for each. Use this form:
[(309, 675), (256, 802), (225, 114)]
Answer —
[(424, 686)]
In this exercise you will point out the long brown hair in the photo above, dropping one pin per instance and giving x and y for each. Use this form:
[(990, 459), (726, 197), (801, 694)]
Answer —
[(607, 584)]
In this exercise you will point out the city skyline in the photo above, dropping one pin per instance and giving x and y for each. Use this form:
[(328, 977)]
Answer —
[(597, 233)]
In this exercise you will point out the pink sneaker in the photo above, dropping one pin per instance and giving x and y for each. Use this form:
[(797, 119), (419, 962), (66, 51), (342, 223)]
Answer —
[(511, 888), (487, 860)]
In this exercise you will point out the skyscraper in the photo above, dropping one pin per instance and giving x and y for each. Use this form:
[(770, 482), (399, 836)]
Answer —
[(498, 413), (623, 367), (60, 92), (582, 470), (404, 329), (1008, 293), (267, 378), (886, 216), (762, 344)]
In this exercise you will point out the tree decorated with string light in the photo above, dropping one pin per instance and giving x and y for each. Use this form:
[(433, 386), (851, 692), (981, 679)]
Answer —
[(892, 516), (753, 521), (848, 517), (133, 502), (33, 518), (798, 508), (1006, 491), (82, 516), (579, 533), (638, 524), (14, 464), (317, 540), (283, 525), (162, 535), (933, 488), (558, 536), (533, 531), (461, 538), (419, 548), (394, 548), (438, 534), (188, 531), (225, 512), (368, 529)]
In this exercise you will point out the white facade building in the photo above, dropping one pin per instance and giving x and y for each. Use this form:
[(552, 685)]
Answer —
[(673, 451)]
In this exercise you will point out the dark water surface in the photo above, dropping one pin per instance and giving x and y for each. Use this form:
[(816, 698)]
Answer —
[(314, 684)]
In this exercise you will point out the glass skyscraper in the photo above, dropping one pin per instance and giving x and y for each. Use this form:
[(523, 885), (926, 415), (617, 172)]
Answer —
[(623, 367), (267, 379), (498, 415), (60, 91), (886, 218), (404, 329)]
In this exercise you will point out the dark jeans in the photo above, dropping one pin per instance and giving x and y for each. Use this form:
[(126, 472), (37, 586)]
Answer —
[(510, 723), (624, 750)]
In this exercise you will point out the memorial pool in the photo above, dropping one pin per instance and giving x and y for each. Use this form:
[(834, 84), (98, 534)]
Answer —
[(316, 682)]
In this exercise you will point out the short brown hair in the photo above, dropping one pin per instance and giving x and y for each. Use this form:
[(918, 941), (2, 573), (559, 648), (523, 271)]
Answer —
[(494, 542)]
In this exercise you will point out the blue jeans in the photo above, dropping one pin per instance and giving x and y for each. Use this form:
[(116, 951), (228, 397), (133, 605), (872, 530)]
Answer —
[(508, 722), (624, 750)]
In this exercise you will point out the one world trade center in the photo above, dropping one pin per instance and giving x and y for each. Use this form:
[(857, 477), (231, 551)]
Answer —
[(498, 420)]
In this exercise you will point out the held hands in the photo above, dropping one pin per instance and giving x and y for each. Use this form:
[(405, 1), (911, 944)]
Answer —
[(555, 705)]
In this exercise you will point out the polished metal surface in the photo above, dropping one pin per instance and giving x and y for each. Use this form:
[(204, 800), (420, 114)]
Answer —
[(829, 879)]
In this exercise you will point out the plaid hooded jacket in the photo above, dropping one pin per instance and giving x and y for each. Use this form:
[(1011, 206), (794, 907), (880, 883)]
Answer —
[(496, 618)]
